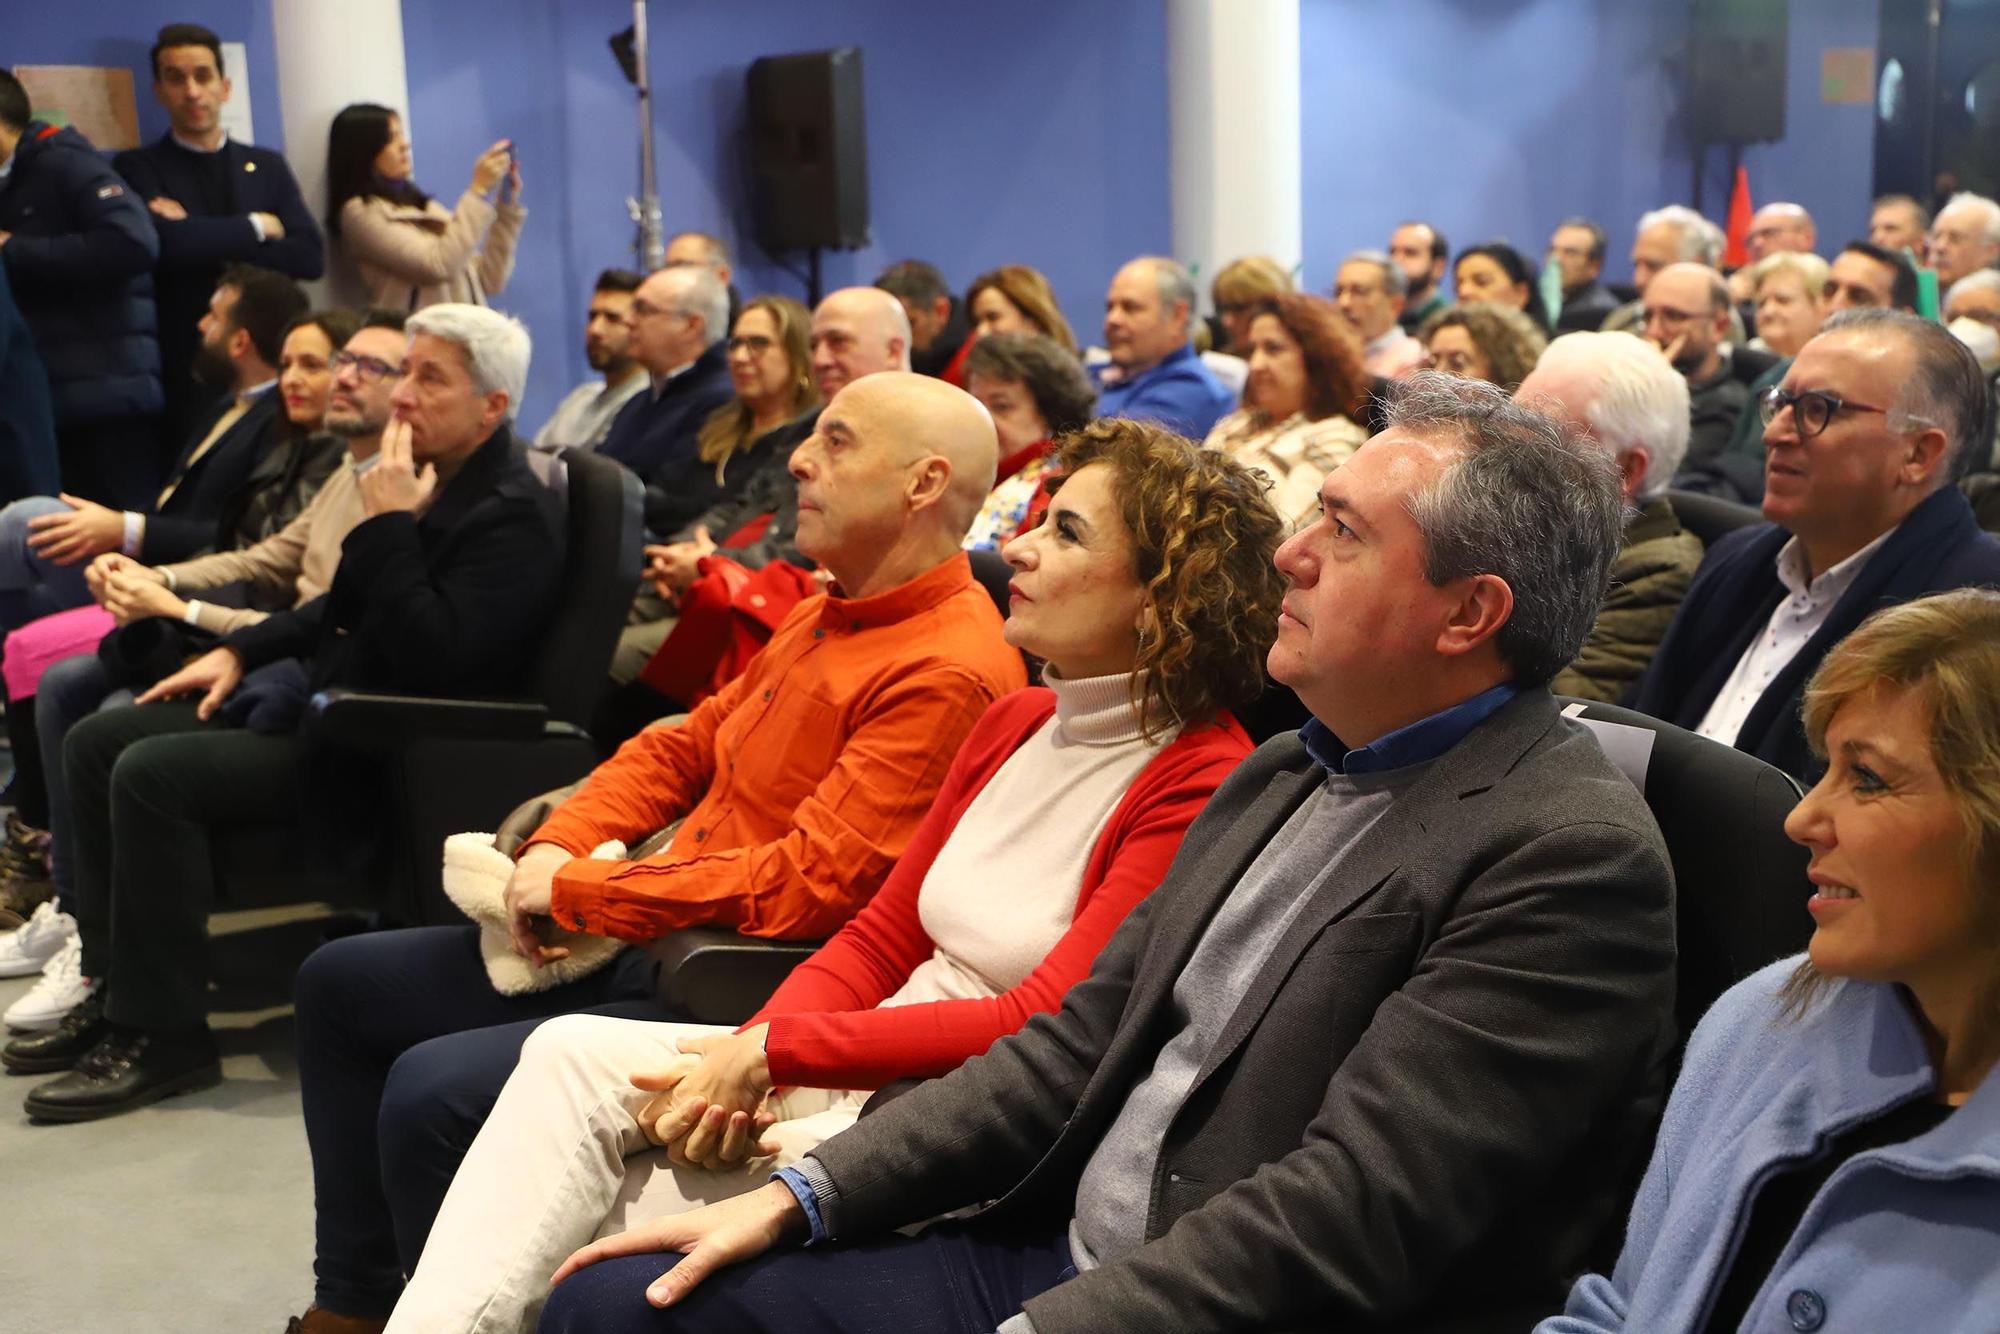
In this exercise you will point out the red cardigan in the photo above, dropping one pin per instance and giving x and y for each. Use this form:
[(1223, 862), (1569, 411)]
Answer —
[(826, 1031)]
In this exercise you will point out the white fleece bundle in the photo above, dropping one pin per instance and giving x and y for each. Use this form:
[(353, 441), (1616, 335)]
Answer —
[(475, 878)]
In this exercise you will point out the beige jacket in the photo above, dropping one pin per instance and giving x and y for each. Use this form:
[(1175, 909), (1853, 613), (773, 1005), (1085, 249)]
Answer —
[(1296, 454), (296, 562), (408, 258)]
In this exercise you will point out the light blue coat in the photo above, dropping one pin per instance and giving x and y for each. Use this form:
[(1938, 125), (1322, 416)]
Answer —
[(1905, 1237)]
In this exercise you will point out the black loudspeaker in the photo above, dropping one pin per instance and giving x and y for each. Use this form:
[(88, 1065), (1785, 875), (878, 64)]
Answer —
[(1736, 83), (808, 151)]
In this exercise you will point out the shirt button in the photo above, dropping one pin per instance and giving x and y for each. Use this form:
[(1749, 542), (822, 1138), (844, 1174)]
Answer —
[(700, 834), (578, 919), (819, 634), (1174, 1177), (767, 694), (1806, 1310)]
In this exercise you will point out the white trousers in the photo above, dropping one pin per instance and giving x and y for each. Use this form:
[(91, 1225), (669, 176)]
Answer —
[(562, 1161)]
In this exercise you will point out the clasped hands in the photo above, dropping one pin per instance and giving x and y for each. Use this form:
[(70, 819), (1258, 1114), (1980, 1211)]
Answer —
[(130, 590), (672, 567), (709, 1106)]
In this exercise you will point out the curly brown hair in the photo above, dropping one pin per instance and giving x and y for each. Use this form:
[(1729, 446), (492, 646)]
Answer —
[(1336, 381), (1509, 340), (1203, 535)]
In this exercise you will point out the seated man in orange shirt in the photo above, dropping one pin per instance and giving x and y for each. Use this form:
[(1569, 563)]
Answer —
[(797, 787)]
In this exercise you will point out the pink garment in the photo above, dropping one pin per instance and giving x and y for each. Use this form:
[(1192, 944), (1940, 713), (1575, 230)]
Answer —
[(39, 645)]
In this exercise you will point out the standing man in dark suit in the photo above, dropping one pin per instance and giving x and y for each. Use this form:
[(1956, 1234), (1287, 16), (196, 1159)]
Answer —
[(1383, 1045), (215, 202), (79, 250), (1865, 440)]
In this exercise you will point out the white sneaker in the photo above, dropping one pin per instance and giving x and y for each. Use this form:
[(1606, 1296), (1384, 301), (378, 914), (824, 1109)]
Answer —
[(27, 949), (62, 989)]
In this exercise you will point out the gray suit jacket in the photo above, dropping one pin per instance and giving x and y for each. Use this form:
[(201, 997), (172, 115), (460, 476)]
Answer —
[(1429, 1107)]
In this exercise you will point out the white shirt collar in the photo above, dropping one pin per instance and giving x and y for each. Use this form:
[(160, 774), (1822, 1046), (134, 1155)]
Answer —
[(1826, 587), (197, 148)]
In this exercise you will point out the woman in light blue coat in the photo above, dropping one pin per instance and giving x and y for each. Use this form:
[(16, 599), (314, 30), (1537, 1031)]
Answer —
[(1830, 1158)]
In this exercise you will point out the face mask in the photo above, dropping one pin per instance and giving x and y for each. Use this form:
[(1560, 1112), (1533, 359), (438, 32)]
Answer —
[(1981, 338)]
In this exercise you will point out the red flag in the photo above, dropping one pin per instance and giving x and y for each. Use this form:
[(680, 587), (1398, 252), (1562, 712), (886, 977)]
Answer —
[(1736, 254)]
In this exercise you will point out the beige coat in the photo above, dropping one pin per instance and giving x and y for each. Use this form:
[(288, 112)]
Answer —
[(408, 258)]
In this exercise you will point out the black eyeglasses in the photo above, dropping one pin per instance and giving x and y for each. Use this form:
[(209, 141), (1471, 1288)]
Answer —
[(754, 344), (368, 368), (1813, 411)]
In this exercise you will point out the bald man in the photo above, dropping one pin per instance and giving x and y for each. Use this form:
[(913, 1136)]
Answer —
[(792, 792), (1153, 373), (856, 331), (1773, 228), (1687, 317)]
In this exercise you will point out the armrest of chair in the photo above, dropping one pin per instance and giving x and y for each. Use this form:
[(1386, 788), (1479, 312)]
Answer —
[(717, 976), (361, 720)]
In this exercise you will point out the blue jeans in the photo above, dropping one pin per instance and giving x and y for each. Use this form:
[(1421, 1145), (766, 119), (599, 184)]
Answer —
[(955, 1278), (403, 1048), (33, 586)]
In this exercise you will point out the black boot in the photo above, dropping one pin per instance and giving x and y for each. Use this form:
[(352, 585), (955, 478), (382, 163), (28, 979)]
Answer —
[(45, 1053), (128, 1068)]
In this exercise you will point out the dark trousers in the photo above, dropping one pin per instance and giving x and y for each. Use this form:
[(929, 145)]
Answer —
[(147, 786), (403, 1048), (115, 463), (953, 1279)]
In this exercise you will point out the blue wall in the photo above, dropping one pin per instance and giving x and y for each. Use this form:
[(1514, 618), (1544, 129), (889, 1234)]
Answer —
[(1497, 118), (120, 32), (1036, 131), (1033, 132)]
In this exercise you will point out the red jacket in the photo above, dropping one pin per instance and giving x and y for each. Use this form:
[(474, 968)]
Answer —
[(825, 1030)]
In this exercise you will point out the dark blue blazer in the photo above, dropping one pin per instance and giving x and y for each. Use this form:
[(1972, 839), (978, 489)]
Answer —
[(81, 262), (210, 487), (195, 249), (654, 436), (1938, 547)]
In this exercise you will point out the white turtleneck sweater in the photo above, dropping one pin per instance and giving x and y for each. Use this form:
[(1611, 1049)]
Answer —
[(1003, 888)]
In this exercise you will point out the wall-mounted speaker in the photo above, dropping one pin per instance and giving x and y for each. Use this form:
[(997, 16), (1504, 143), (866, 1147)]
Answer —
[(808, 151)]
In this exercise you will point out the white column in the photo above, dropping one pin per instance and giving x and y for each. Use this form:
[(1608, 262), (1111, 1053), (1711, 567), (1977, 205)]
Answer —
[(331, 54), (1233, 124)]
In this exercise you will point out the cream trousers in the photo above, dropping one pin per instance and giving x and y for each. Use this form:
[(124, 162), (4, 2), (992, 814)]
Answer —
[(562, 1161)]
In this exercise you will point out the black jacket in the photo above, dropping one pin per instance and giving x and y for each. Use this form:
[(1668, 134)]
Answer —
[(451, 603), (1585, 307), (1937, 547), (213, 486), (217, 232), (81, 261), (27, 421), (679, 494), (1428, 1105), (656, 433)]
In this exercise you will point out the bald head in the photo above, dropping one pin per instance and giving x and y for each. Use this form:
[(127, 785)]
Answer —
[(892, 477), (1778, 227), (858, 331)]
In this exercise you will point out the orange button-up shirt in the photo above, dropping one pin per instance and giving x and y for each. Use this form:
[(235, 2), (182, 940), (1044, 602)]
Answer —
[(800, 781)]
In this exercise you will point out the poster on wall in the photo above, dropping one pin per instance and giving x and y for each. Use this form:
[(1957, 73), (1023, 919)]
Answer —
[(95, 100), (236, 111)]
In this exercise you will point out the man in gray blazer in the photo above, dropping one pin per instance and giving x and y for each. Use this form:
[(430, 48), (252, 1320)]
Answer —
[(1384, 1046)]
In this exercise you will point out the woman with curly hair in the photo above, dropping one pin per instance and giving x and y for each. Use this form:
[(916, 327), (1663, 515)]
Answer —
[(1482, 341), (1017, 299), (1149, 594), (1306, 393)]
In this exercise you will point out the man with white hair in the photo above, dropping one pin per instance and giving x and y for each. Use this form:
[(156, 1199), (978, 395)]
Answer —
[(1624, 397), (680, 324), (1675, 234), (444, 588), (1154, 374), (1965, 238)]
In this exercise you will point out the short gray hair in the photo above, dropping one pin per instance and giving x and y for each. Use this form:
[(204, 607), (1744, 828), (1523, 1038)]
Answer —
[(697, 291), (1988, 211), (1394, 280), (1979, 280), (1701, 240), (1946, 388), (496, 346), (1531, 501), (1175, 282), (1633, 400)]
